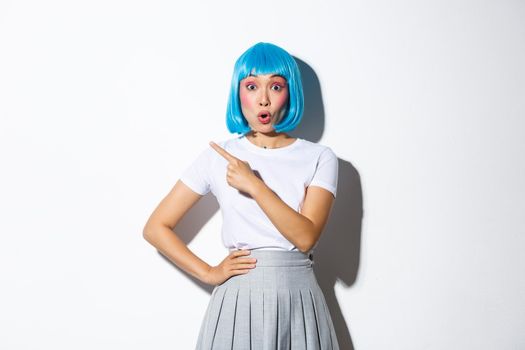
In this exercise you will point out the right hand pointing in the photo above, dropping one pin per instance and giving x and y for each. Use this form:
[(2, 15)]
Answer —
[(239, 174), (233, 264)]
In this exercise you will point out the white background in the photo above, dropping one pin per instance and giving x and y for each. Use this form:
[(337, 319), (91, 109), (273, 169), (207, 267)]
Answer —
[(104, 103)]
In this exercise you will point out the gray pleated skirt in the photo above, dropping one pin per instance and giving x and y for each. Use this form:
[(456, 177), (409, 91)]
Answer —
[(278, 305)]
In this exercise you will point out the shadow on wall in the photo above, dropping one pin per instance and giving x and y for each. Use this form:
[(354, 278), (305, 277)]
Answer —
[(336, 255)]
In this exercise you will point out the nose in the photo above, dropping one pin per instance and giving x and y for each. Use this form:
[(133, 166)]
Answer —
[(264, 101)]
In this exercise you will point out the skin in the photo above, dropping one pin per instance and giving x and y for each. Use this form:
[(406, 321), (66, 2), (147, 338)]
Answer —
[(267, 92), (301, 229)]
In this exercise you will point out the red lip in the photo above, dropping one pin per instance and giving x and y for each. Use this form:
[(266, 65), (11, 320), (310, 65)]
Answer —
[(264, 117), (262, 113)]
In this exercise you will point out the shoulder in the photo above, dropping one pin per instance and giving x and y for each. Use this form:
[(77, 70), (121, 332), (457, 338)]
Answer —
[(318, 149)]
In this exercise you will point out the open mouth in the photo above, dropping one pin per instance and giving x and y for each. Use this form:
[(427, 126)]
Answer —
[(264, 117)]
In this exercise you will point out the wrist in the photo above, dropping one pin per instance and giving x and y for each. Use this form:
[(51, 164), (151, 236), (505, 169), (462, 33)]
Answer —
[(257, 188), (204, 273)]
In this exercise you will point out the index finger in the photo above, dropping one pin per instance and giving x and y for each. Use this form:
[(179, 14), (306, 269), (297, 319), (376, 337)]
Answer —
[(222, 152)]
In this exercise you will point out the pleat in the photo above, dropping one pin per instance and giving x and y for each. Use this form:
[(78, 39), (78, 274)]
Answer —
[(223, 338), (310, 322), (283, 320), (333, 336), (204, 324), (212, 316), (298, 329), (325, 342), (242, 331), (270, 320), (256, 318)]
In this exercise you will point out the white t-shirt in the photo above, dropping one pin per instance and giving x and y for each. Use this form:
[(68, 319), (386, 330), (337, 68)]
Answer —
[(288, 171)]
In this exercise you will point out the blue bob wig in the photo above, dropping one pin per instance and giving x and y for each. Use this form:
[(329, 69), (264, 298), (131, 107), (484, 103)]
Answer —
[(266, 58)]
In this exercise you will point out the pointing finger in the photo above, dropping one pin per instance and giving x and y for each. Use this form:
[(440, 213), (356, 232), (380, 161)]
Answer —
[(222, 152)]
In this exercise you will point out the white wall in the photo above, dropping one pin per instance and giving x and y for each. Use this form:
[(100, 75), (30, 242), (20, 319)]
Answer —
[(104, 103)]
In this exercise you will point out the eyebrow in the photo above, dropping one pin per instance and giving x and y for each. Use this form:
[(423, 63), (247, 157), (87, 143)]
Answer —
[(273, 75)]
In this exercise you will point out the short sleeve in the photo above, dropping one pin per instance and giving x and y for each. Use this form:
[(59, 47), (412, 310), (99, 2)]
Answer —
[(197, 175), (326, 172)]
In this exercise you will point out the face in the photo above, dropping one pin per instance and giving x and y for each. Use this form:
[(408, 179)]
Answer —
[(263, 100)]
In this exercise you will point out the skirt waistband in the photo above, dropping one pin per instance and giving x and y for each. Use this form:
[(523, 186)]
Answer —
[(281, 258)]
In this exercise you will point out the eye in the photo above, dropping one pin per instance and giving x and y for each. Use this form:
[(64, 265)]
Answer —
[(250, 86), (277, 87)]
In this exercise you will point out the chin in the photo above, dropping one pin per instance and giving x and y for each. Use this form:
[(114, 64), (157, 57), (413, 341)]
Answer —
[(263, 128)]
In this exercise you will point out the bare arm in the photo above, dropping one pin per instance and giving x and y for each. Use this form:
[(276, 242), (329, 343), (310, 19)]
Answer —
[(158, 230), (302, 229)]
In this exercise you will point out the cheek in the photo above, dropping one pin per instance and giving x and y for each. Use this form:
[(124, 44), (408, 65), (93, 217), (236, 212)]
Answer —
[(281, 100), (245, 99)]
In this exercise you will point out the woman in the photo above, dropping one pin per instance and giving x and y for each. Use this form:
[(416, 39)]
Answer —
[(275, 194)]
